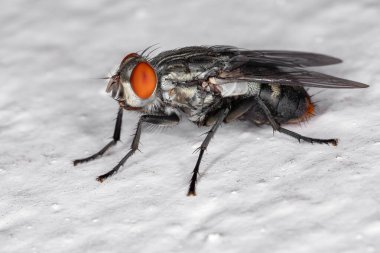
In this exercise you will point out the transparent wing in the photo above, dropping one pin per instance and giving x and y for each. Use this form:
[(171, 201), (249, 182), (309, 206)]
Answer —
[(235, 64), (229, 57), (289, 76), (275, 58)]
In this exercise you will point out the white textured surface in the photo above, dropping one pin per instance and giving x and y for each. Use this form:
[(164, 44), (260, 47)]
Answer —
[(259, 192)]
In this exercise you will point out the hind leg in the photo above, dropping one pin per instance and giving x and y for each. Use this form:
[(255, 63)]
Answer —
[(276, 126), (237, 111)]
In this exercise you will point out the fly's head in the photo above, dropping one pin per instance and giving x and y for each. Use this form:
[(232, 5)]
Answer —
[(135, 82)]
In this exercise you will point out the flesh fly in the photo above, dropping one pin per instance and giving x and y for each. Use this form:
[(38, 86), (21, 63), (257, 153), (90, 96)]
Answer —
[(211, 85)]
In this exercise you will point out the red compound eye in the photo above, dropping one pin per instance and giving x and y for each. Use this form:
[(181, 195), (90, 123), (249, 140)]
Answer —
[(143, 80)]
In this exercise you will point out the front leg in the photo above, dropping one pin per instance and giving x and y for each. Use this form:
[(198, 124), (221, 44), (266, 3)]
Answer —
[(115, 139), (220, 116), (164, 120)]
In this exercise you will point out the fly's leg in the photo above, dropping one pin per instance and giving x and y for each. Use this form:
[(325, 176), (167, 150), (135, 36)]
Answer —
[(220, 116), (115, 139), (239, 109), (276, 126), (165, 120), (235, 112)]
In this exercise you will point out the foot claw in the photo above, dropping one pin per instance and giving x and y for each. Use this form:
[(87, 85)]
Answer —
[(191, 193), (334, 142), (100, 179), (79, 161)]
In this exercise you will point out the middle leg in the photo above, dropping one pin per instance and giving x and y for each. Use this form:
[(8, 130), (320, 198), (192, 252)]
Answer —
[(220, 116)]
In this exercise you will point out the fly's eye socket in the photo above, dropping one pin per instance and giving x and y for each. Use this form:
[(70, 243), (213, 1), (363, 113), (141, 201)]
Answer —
[(143, 80)]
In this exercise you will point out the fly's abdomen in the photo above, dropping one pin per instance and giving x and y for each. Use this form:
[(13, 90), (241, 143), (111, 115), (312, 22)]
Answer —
[(287, 104)]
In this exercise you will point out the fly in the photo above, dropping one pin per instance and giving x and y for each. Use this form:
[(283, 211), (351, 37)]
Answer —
[(214, 84)]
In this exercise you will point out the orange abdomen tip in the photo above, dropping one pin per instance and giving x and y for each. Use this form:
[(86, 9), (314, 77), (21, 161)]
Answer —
[(310, 109)]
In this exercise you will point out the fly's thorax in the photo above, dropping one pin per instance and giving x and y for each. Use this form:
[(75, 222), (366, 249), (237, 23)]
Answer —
[(189, 96), (190, 100), (172, 79)]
